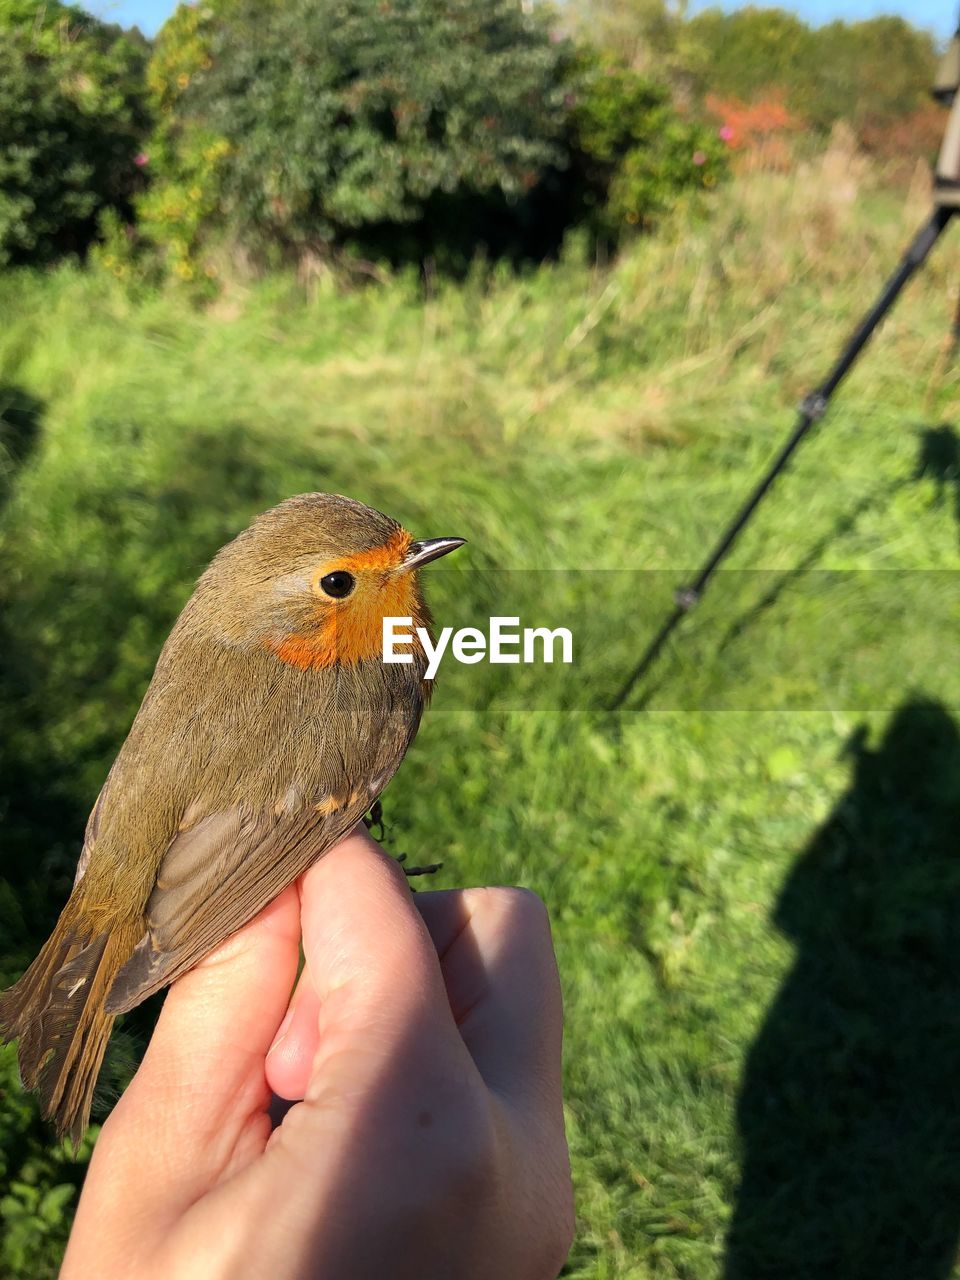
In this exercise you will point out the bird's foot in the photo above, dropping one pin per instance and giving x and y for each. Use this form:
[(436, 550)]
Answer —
[(430, 869), (375, 819)]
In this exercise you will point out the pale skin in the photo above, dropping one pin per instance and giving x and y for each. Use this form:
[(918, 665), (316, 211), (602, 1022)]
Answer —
[(421, 1048)]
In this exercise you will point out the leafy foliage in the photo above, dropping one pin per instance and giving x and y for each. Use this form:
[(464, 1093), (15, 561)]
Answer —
[(650, 37), (862, 72), (758, 132), (906, 138), (343, 116), (72, 118), (868, 72), (637, 153), (38, 1181), (184, 155), (406, 129), (413, 130)]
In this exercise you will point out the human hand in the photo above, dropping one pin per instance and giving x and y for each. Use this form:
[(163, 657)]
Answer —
[(422, 1045)]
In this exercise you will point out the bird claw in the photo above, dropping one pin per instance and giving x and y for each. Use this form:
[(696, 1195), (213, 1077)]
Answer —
[(429, 870), (375, 819)]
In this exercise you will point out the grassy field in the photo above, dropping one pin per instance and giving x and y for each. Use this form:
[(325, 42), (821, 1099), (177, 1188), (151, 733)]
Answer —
[(753, 879)]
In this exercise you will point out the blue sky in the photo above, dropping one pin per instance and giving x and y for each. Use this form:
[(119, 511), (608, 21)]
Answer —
[(935, 14)]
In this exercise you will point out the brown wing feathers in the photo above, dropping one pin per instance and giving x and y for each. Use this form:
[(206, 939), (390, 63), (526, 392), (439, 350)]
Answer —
[(193, 908)]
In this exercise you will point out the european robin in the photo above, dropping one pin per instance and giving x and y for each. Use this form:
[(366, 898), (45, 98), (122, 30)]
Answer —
[(269, 728)]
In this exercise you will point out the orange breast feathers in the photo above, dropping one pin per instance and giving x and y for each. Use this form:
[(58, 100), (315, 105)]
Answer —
[(351, 630)]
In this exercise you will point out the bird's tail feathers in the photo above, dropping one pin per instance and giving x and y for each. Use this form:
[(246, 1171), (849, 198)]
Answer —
[(56, 1011)]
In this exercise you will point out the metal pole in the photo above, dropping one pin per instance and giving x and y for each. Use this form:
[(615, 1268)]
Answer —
[(812, 410)]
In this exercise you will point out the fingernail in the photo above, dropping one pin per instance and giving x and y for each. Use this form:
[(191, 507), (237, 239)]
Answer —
[(282, 1030)]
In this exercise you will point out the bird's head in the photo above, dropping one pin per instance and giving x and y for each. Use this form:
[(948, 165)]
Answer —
[(312, 579)]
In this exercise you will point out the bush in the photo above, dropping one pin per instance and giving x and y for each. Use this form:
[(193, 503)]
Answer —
[(760, 133), (39, 1181), (636, 154), (402, 132), (72, 120), (338, 121), (184, 156)]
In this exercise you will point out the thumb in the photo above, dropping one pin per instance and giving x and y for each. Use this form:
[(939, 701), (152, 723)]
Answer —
[(371, 976)]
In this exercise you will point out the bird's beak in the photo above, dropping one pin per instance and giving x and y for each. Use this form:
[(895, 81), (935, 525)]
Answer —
[(427, 549)]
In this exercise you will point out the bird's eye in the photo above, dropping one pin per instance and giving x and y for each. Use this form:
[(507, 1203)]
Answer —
[(337, 584)]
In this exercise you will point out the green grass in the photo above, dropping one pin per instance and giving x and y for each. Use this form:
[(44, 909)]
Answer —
[(753, 881)]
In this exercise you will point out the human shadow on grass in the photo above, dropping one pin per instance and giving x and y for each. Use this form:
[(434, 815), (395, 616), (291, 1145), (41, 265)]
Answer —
[(848, 1111), (21, 416), (939, 460)]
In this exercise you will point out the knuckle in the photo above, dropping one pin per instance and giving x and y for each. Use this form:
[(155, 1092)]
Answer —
[(519, 906), (529, 906), (527, 914), (394, 873)]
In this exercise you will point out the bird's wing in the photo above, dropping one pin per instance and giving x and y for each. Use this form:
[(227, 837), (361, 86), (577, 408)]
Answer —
[(216, 876), (90, 836), (247, 792)]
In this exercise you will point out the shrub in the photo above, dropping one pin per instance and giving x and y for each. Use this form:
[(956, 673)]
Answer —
[(636, 153), (324, 122), (401, 130), (72, 120), (907, 139), (759, 132), (39, 1181), (184, 156)]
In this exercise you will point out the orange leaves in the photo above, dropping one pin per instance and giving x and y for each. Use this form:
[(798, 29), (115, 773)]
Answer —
[(760, 130), (753, 123)]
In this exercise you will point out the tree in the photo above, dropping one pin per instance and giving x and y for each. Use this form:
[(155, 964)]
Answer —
[(867, 73), (650, 37), (72, 120), (337, 118), (749, 51), (872, 72)]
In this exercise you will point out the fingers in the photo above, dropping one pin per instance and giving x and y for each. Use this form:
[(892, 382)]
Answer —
[(198, 1102), (399, 1139), (496, 959), (501, 974), (371, 973), (501, 977)]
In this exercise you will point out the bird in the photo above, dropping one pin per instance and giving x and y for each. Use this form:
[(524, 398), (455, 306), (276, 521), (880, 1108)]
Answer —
[(269, 728)]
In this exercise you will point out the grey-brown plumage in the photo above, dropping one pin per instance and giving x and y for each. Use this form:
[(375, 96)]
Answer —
[(269, 728)]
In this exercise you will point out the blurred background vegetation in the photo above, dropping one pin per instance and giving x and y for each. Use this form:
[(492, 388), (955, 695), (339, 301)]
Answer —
[(553, 280)]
